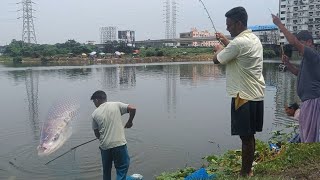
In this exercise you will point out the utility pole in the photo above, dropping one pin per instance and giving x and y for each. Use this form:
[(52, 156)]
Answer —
[(28, 32)]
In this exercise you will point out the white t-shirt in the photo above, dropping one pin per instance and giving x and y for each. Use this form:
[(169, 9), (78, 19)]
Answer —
[(107, 119), (243, 57)]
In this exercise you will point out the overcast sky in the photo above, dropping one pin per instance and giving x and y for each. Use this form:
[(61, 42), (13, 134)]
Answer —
[(59, 20)]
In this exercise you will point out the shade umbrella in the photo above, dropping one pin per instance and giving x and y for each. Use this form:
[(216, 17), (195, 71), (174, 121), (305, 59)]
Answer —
[(93, 53)]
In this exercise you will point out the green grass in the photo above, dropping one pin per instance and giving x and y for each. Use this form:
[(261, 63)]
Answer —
[(173, 52), (294, 158), (5, 58)]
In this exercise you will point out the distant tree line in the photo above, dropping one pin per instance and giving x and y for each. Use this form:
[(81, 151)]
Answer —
[(21, 49)]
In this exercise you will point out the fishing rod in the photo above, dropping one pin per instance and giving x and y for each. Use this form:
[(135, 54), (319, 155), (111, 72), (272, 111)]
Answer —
[(208, 15), (71, 150), (215, 30)]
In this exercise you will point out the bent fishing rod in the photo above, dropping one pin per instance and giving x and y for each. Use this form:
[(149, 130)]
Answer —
[(71, 150), (215, 30), (208, 15)]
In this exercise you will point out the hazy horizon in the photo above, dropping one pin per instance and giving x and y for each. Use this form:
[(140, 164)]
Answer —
[(57, 21)]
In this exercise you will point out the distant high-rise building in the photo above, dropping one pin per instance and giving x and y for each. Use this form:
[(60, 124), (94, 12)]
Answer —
[(108, 34), (298, 15), (127, 36)]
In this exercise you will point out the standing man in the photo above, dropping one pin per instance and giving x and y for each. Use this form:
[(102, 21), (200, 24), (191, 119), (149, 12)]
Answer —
[(108, 128), (308, 86), (243, 57)]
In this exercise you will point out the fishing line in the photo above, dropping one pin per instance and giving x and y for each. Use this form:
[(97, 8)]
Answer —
[(71, 150)]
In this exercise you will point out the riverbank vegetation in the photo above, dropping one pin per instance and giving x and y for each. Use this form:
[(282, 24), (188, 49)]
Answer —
[(18, 51), (289, 161), (190, 51)]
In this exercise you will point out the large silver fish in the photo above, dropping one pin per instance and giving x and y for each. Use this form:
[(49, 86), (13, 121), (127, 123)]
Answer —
[(57, 127)]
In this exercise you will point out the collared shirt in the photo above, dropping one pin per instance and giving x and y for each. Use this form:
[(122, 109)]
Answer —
[(243, 57), (107, 119)]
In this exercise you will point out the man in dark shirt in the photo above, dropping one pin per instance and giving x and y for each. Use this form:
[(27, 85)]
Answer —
[(308, 87)]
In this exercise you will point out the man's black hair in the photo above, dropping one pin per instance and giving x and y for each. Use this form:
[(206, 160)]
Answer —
[(294, 106), (304, 36), (101, 95), (238, 14)]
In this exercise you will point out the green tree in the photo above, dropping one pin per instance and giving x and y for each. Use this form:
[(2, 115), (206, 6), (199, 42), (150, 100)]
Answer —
[(14, 48)]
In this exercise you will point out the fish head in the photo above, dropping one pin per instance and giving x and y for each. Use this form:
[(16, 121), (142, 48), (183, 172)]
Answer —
[(52, 142)]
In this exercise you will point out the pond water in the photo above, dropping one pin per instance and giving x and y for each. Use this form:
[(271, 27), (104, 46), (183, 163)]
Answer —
[(183, 114)]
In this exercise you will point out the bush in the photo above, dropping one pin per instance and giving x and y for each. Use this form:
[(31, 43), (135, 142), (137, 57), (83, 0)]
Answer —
[(269, 53), (17, 59), (159, 53), (150, 53), (44, 59)]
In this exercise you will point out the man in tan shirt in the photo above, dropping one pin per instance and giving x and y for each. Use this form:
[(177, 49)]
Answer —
[(243, 57)]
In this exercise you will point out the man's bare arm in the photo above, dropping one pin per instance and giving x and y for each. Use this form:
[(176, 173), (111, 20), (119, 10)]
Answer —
[(290, 37), (132, 113)]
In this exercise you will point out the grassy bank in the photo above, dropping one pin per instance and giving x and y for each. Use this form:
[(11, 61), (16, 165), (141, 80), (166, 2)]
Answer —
[(288, 161), (174, 52), (293, 161), (168, 53), (5, 59)]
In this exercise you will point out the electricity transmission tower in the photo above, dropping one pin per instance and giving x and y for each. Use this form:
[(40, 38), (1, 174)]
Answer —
[(174, 19), (28, 32), (170, 7), (167, 21)]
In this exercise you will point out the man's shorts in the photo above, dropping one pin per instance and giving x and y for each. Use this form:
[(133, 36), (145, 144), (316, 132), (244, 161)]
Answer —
[(247, 119)]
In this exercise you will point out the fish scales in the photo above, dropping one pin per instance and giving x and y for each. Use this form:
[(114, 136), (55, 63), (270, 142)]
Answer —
[(56, 129)]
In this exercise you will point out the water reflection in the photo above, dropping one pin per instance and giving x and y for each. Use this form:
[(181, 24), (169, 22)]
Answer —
[(76, 73), (127, 77), (32, 81), (109, 79), (172, 76), (199, 72), (124, 77)]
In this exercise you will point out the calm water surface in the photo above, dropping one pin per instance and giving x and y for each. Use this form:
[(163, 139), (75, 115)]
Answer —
[(181, 110)]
